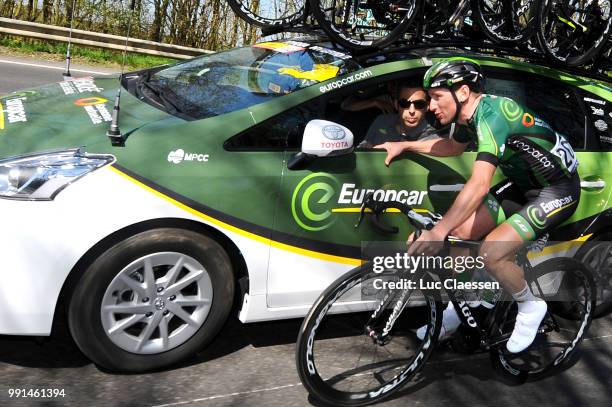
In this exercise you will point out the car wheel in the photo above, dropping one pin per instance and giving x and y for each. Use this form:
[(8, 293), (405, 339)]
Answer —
[(152, 300)]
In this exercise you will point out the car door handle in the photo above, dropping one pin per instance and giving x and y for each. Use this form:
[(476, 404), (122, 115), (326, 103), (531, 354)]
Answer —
[(446, 188), (593, 184)]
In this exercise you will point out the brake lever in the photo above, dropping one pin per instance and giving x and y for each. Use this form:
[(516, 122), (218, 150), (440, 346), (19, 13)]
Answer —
[(361, 213), (384, 228)]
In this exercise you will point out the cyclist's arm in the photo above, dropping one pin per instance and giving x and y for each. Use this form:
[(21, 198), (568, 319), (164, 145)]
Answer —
[(469, 199), (440, 147)]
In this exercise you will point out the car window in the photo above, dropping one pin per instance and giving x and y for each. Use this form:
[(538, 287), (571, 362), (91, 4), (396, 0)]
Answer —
[(223, 82), (599, 114), (283, 131), (350, 110), (555, 102)]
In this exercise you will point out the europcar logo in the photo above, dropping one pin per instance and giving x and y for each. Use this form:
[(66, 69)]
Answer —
[(311, 204), (333, 132), (535, 214), (90, 101)]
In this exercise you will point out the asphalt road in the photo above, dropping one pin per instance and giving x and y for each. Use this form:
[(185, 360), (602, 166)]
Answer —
[(253, 364), (18, 73)]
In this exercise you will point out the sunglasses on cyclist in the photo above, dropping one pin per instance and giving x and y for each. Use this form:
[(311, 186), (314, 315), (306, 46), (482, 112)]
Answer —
[(419, 104)]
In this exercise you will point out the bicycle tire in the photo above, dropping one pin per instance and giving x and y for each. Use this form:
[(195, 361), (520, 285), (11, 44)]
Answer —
[(512, 24), (549, 43), (318, 343), (259, 18), (350, 42), (564, 283), (596, 254)]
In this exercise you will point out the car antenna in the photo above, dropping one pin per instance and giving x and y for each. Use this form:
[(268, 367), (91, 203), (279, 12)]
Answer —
[(114, 134), (66, 75)]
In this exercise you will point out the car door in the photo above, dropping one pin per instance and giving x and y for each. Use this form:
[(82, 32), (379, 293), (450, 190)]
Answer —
[(314, 239), (568, 109)]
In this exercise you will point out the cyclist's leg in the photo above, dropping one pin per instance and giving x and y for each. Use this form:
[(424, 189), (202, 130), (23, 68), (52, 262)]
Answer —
[(500, 200), (475, 227), (545, 209)]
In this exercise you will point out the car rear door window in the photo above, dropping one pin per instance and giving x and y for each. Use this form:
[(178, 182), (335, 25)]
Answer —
[(556, 103)]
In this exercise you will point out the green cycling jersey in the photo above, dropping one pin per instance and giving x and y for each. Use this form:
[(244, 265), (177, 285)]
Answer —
[(526, 149)]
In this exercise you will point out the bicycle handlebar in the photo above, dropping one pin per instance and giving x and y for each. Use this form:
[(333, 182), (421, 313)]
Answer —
[(419, 222)]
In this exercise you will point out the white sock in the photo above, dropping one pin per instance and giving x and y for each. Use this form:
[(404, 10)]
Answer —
[(526, 301), (450, 323), (450, 318)]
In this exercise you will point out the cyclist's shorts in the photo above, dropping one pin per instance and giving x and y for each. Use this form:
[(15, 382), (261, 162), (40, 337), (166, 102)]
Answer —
[(535, 212)]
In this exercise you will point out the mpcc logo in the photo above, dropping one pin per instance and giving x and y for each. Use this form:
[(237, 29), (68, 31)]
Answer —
[(176, 157), (311, 202)]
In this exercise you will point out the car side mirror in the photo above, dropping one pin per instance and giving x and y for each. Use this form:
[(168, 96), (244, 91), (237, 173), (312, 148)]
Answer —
[(322, 138)]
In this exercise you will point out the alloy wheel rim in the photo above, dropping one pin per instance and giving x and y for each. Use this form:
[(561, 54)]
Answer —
[(156, 303)]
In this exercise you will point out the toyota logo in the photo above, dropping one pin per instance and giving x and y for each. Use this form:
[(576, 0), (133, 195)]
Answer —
[(333, 132), (159, 304)]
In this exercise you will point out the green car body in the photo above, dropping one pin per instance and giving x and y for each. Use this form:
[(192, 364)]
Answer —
[(288, 232)]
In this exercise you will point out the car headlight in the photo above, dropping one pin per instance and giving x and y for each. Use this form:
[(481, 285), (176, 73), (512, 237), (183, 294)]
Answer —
[(40, 177)]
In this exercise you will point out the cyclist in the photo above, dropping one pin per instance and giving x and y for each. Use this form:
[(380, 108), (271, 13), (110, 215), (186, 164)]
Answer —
[(541, 191)]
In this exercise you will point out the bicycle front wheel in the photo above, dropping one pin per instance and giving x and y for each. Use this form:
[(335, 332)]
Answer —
[(358, 345), (269, 14), (503, 22), (364, 25), (573, 32), (569, 291)]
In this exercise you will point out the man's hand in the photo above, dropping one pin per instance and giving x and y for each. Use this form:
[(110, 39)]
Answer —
[(394, 148), (429, 243)]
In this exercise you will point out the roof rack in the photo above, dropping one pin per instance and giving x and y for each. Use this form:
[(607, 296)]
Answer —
[(482, 47)]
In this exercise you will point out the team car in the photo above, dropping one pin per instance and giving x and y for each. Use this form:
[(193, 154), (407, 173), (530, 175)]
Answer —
[(235, 184)]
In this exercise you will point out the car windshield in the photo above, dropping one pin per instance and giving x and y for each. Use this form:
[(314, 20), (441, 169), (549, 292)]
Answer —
[(227, 81)]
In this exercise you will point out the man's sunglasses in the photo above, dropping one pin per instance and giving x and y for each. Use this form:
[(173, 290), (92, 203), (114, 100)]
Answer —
[(419, 104)]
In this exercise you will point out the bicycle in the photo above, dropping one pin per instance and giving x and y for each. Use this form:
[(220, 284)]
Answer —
[(270, 14), (362, 25), (377, 332), (573, 32)]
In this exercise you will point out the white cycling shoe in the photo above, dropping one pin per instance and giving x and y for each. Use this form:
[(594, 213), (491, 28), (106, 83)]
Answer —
[(450, 324), (528, 320)]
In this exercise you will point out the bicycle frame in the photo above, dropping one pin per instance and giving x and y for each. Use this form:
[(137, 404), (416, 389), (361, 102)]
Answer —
[(479, 332)]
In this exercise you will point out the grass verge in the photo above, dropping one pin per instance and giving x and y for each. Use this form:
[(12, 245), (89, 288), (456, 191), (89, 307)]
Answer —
[(56, 51)]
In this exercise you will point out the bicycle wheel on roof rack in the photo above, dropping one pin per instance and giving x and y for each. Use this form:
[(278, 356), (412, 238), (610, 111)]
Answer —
[(573, 32), (506, 22), (365, 25), (269, 13)]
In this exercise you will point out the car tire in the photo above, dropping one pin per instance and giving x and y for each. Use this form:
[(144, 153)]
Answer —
[(117, 289)]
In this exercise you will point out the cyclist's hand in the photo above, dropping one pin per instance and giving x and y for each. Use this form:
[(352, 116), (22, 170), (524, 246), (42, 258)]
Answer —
[(429, 243), (394, 148)]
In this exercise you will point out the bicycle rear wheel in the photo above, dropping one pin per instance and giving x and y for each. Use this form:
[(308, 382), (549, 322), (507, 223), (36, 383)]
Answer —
[(573, 32), (365, 25), (342, 356), (504, 22), (597, 254), (569, 291), (269, 13)]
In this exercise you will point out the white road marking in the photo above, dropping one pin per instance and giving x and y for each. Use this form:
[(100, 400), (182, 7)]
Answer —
[(52, 67), (242, 393), (220, 396)]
